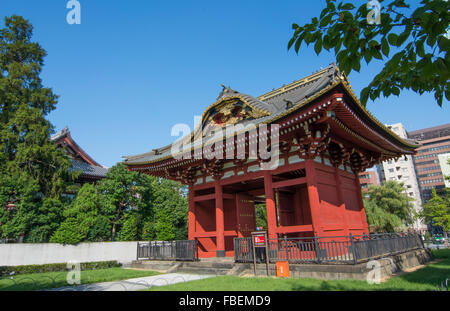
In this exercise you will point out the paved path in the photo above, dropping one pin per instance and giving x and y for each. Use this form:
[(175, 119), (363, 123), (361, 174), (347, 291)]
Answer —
[(137, 283)]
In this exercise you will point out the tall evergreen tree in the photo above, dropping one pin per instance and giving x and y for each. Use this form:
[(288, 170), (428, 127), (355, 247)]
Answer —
[(31, 166), (80, 217), (123, 192)]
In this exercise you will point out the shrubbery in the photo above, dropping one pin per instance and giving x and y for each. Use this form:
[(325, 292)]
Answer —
[(55, 267)]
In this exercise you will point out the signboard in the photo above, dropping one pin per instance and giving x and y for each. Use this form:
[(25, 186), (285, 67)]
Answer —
[(259, 240)]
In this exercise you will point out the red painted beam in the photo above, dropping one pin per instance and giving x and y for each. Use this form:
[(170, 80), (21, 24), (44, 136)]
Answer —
[(213, 234), (205, 197), (256, 193), (293, 229), (289, 182)]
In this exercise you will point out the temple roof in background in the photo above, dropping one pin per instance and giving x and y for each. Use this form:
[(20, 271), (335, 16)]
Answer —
[(79, 158)]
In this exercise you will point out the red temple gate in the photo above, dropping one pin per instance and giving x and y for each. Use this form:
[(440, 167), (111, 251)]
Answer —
[(324, 138)]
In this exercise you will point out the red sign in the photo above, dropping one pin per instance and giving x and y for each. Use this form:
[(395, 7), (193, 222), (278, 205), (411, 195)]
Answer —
[(260, 240)]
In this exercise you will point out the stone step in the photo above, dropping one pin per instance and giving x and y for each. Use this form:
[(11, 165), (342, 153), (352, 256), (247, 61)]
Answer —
[(160, 266), (206, 264), (203, 270), (196, 267)]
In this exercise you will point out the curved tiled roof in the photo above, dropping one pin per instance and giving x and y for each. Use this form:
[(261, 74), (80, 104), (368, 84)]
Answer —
[(298, 94), (89, 170)]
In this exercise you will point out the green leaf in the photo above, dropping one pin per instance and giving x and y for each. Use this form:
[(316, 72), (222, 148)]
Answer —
[(348, 6), (403, 36), (326, 20), (385, 46), (431, 41), (291, 42), (377, 54), (420, 50), (392, 37), (444, 43), (396, 91), (356, 63), (440, 66), (368, 56), (364, 95), (298, 44), (338, 45), (318, 46)]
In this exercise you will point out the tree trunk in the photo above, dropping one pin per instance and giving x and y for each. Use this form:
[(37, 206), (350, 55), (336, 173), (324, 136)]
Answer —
[(113, 233)]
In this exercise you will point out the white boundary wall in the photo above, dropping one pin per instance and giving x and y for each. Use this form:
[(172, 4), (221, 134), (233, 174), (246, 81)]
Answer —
[(18, 254)]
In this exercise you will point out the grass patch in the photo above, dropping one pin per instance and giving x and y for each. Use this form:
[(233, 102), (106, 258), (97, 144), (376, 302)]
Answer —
[(48, 280), (426, 278)]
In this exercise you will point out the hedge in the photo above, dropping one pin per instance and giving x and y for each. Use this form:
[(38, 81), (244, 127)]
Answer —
[(55, 267)]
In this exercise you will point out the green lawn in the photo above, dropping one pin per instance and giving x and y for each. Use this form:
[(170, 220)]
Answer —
[(39, 281), (426, 278)]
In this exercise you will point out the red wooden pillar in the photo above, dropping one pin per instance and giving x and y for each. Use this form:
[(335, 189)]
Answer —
[(340, 196), (191, 213), (270, 206), (313, 194), (220, 238), (298, 212), (364, 223)]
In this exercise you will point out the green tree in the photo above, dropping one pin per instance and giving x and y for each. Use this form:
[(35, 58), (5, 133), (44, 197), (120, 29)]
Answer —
[(81, 217), (418, 37), (100, 230), (123, 192), (261, 215), (164, 228), (130, 228), (170, 198), (388, 207), (380, 219), (33, 170), (437, 211)]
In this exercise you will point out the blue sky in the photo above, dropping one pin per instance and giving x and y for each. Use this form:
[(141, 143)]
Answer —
[(133, 69)]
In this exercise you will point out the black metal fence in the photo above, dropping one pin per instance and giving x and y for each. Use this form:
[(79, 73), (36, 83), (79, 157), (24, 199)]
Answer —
[(328, 250), (168, 250)]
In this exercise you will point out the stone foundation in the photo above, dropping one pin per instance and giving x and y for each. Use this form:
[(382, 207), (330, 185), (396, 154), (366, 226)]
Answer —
[(388, 266)]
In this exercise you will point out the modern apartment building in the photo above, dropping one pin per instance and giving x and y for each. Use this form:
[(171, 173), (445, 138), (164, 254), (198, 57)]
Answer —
[(368, 178), (403, 170), (445, 167), (435, 141)]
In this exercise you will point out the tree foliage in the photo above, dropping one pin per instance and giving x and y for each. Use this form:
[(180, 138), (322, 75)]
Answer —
[(381, 219), (413, 42), (437, 211), (388, 208), (124, 192), (80, 217), (33, 170), (170, 200), (261, 215)]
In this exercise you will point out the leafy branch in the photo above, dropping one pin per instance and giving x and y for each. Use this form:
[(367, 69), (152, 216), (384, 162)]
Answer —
[(419, 37)]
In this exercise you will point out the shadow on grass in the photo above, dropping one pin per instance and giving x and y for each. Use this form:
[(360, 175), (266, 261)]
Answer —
[(28, 283), (430, 277)]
